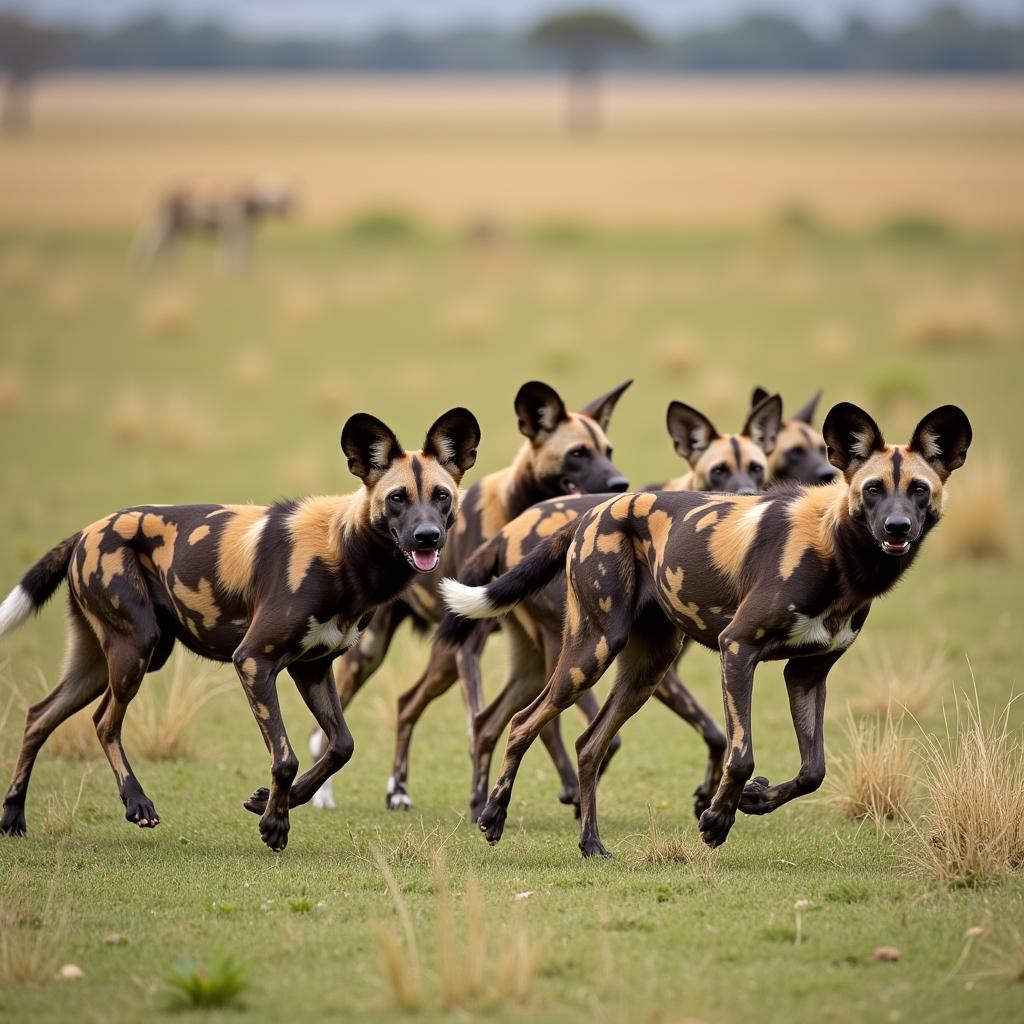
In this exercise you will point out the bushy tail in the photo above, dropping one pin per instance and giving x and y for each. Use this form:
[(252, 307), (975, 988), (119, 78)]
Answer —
[(470, 600), (37, 586)]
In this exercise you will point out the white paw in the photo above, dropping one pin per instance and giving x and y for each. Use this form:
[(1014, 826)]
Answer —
[(399, 801), (316, 743), (324, 797)]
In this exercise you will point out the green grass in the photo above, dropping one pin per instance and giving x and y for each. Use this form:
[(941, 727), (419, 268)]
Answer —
[(337, 326)]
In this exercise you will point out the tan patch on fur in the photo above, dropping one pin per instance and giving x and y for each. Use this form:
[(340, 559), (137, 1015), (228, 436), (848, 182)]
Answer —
[(156, 527), (659, 524), (706, 520), (620, 508), (734, 647), (738, 736), (642, 503), (577, 676), (758, 633), (249, 669), (111, 565), (490, 505), (812, 519), (201, 601), (601, 652), (605, 604), (92, 537), (198, 534), (572, 611), (607, 543), (236, 546), (127, 525), (735, 533), (554, 521), (517, 531), (146, 562), (673, 591), (314, 529), (589, 541)]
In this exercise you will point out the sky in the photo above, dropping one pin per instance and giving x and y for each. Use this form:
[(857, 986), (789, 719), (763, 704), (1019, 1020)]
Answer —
[(364, 17)]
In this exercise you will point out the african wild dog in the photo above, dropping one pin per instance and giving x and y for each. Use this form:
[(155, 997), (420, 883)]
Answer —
[(734, 461), (564, 453), (229, 216), (266, 587), (788, 575), (799, 454)]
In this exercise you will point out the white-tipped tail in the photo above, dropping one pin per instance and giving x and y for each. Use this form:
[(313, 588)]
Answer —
[(17, 607), (469, 602)]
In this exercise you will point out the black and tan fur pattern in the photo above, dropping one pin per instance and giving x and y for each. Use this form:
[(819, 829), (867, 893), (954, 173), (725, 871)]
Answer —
[(535, 627), (563, 453), (228, 216), (284, 586), (790, 575)]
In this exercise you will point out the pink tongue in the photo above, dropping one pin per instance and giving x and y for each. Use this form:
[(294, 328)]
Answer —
[(425, 560)]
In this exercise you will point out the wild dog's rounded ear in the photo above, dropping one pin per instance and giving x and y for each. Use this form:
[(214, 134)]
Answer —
[(453, 441), (691, 431), (943, 437), (540, 409), (763, 423), (370, 447), (757, 396), (600, 409), (851, 436), (806, 413)]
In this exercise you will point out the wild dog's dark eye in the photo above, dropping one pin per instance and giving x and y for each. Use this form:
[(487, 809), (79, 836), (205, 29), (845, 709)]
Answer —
[(720, 468), (918, 489), (873, 489), (756, 469), (442, 497), (397, 498), (608, 453), (579, 453), (795, 453)]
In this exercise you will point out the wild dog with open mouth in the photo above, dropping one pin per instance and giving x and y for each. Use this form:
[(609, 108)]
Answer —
[(734, 462), (789, 575), (564, 453), (266, 587), (799, 455)]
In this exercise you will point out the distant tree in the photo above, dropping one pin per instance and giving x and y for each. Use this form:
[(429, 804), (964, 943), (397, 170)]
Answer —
[(586, 39), (26, 50)]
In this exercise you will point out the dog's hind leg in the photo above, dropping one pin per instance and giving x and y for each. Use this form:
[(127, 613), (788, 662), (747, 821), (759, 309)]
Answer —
[(676, 697), (805, 681), (127, 655), (652, 646), (439, 676), (83, 679)]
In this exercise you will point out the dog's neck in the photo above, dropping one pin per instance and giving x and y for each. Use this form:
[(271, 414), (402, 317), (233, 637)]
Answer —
[(523, 487)]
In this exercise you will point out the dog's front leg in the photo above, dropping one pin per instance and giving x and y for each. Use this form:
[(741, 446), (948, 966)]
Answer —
[(805, 681), (259, 680), (739, 658)]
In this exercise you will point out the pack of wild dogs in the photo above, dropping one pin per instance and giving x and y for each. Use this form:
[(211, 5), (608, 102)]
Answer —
[(771, 545)]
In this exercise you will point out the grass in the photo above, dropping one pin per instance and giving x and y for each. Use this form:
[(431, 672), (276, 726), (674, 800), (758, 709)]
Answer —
[(219, 985), (972, 830), (980, 524), (652, 938)]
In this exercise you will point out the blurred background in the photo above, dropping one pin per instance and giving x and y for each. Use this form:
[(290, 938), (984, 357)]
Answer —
[(227, 225)]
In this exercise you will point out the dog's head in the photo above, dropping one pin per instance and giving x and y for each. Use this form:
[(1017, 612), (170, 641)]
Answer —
[(413, 496), (799, 452), (729, 463), (896, 492), (569, 452)]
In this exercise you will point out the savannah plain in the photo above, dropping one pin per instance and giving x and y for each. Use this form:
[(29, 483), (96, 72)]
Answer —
[(861, 236)]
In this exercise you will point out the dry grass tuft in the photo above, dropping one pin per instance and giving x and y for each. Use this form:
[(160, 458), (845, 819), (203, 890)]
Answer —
[(168, 314), (183, 429), (250, 369), (874, 781), (660, 850), (677, 352), (470, 975), (469, 320), (1006, 960), (12, 392), (953, 319), (909, 677), (30, 941), (979, 520), (62, 809), (972, 828), (160, 729), (128, 418)]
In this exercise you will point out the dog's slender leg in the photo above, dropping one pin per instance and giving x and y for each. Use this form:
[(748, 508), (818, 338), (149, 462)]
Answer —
[(583, 660), (352, 670), (805, 681), (675, 696), (127, 662), (739, 659), (83, 679), (651, 649), (438, 678), (259, 681)]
